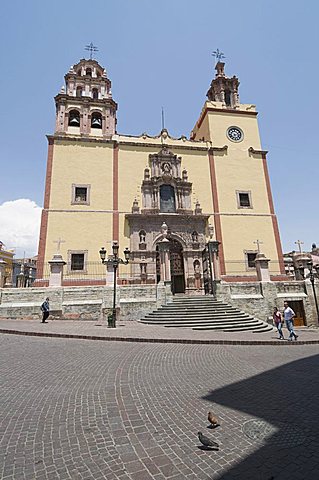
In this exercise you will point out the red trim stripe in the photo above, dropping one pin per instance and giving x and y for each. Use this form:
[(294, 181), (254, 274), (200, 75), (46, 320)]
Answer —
[(274, 218), (46, 204)]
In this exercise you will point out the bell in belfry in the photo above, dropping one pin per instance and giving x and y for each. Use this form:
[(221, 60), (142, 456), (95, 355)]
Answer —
[(96, 122), (74, 119)]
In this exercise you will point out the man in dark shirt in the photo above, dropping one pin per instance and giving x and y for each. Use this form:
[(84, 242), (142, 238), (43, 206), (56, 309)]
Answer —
[(45, 307)]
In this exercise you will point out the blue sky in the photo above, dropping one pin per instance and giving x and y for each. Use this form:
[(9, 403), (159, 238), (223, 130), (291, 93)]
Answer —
[(159, 53)]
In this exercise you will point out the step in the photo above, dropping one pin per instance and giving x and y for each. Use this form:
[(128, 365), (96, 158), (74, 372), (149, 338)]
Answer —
[(200, 322), (197, 315), (201, 308), (204, 313)]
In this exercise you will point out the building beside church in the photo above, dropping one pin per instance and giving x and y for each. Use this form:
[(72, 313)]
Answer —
[(6, 266), (104, 186)]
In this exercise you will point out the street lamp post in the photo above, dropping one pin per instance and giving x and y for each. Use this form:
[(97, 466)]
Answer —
[(312, 281), (115, 261)]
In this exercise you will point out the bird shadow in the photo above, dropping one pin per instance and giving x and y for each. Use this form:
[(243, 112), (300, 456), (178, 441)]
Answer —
[(212, 427)]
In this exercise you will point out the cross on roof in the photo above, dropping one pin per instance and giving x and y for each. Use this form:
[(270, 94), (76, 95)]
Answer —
[(92, 49), (58, 242), (299, 243), (258, 243), (218, 55)]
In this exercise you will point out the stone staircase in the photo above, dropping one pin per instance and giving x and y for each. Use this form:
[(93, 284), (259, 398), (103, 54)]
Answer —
[(204, 313)]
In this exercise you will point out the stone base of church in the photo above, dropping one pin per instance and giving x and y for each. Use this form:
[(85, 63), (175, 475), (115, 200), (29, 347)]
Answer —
[(135, 301)]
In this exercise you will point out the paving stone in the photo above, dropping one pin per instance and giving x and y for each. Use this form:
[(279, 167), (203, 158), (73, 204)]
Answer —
[(66, 411)]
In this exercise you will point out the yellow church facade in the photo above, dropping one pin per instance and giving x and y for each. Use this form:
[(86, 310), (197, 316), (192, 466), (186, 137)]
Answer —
[(102, 186)]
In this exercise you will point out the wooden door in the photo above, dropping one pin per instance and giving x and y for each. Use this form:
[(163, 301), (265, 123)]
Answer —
[(298, 308)]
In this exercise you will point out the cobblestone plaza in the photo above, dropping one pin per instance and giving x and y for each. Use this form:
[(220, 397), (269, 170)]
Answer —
[(81, 409)]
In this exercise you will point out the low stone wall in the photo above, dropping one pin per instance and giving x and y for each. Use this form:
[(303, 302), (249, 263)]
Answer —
[(135, 301), (259, 298), (87, 303)]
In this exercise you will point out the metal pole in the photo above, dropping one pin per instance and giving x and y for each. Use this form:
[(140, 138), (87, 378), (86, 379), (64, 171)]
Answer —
[(114, 294), (312, 280)]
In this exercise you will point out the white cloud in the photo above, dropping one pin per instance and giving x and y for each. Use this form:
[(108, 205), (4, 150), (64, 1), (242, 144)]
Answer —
[(20, 226)]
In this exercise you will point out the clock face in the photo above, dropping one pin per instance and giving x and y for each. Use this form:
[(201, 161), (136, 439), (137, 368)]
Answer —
[(235, 134)]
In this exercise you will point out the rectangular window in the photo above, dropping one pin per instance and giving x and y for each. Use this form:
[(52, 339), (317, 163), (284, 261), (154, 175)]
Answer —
[(80, 194), (251, 257), (77, 261), (244, 199)]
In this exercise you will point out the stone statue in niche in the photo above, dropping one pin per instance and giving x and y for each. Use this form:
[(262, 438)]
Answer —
[(166, 168), (195, 237), (164, 230), (197, 274), (142, 235)]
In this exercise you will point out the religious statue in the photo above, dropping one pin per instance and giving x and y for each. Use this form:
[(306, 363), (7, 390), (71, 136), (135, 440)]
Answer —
[(195, 237), (166, 168), (164, 230)]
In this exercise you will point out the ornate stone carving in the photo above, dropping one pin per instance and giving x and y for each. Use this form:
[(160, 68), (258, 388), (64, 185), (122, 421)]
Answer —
[(179, 225)]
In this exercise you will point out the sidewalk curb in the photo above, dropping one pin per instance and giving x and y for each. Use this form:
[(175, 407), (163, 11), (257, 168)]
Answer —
[(157, 340)]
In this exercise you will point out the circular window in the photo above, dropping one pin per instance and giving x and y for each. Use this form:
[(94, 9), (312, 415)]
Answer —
[(235, 134)]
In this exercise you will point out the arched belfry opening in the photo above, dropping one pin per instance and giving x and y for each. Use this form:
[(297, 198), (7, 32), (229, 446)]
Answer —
[(166, 199), (96, 120), (74, 118)]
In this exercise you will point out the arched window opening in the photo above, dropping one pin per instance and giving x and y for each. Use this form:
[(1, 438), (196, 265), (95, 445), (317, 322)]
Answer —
[(80, 71), (74, 118), (167, 199), (79, 91), (227, 98), (95, 93), (96, 120), (88, 72)]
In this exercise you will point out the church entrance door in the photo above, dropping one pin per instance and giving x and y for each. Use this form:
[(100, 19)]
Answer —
[(177, 267)]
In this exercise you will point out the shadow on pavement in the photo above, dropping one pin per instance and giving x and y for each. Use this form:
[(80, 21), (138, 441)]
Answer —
[(285, 403)]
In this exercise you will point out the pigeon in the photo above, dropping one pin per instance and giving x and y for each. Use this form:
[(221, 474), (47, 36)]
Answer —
[(207, 442), (212, 420)]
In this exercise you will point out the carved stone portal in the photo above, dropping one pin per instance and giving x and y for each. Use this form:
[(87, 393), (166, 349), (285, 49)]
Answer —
[(166, 200)]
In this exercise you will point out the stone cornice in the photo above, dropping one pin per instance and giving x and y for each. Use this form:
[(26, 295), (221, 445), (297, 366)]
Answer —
[(117, 141), (176, 216), (257, 152), (218, 149)]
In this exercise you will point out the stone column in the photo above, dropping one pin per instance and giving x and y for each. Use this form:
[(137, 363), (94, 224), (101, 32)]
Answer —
[(21, 277), (8, 283), (2, 268), (300, 261), (262, 267), (56, 270), (163, 247)]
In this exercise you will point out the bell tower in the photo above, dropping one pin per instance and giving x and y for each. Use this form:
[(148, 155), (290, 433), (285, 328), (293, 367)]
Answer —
[(84, 105), (224, 89)]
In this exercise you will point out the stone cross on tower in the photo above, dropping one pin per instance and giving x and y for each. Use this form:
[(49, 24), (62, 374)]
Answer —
[(58, 242), (218, 55), (92, 49), (258, 243), (299, 243)]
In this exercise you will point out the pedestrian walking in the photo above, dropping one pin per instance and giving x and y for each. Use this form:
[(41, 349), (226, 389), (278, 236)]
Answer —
[(45, 308), (289, 315), (278, 322)]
